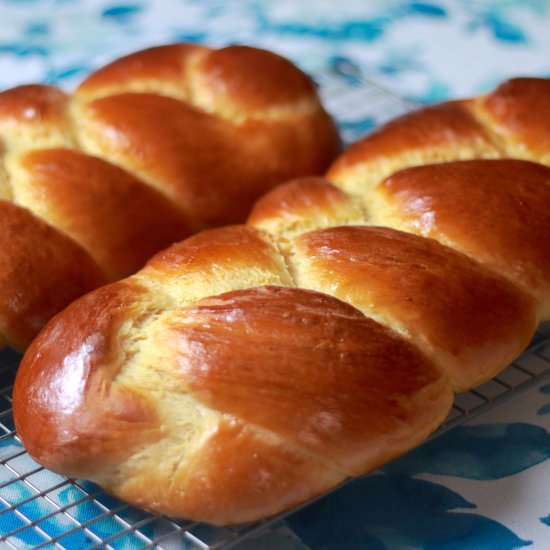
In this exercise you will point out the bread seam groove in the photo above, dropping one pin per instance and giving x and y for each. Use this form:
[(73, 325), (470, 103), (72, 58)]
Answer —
[(5, 174), (497, 141)]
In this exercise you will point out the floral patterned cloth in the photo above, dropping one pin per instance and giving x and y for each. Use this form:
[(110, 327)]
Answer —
[(426, 50), (482, 485)]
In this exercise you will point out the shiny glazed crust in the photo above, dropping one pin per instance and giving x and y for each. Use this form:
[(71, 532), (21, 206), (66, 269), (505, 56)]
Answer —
[(512, 121), (147, 151), (251, 367)]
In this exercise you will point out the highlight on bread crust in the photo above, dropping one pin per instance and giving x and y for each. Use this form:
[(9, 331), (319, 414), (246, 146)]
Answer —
[(251, 367), (225, 395), (148, 150)]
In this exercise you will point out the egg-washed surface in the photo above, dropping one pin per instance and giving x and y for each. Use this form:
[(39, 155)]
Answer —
[(159, 354), (390, 41), (148, 150), (105, 527), (326, 336), (518, 429)]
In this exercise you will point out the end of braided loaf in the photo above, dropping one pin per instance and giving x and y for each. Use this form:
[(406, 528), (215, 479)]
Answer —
[(147, 151), (249, 368), (512, 121)]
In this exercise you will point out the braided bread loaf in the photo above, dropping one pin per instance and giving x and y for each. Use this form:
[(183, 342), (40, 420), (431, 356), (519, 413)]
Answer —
[(251, 367), (148, 150)]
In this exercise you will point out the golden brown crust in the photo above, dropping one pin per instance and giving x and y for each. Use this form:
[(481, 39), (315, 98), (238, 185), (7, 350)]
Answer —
[(266, 393), (243, 132), (313, 391), (120, 240), (495, 211), (304, 205), (238, 165), (240, 78), (85, 420), (512, 121), (437, 133), (293, 425), (468, 320), (34, 116), (215, 261), (264, 475), (32, 103), (160, 64), (229, 80), (301, 203), (34, 259), (518, 112), (157, 145), (235, 391), (125, 130)]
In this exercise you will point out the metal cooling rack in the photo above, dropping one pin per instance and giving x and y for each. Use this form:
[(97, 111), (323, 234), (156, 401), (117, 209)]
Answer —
[(358, 105), (40, 509)]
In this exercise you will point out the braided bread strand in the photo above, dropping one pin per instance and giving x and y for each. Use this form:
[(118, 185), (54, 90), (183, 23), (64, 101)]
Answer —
[(147, 151), (249, 368), (512, 121)]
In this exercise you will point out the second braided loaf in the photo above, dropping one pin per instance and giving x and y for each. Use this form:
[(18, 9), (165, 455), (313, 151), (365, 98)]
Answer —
[(148, 150)]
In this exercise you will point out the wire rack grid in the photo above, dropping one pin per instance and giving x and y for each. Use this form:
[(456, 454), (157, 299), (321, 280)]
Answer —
[(40, 509)]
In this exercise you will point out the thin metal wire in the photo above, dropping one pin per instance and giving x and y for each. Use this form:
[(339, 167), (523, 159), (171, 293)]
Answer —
[(358, 105), (86, 524), (63, 511), (55, 512), (131, 528)]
